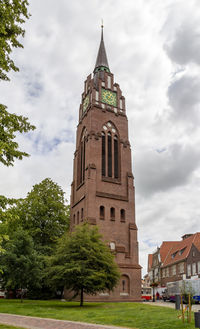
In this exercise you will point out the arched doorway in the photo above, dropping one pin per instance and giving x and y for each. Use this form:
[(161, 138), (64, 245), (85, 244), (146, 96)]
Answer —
[(124, 285)]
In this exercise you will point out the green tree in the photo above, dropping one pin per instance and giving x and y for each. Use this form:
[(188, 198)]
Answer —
[(44, 215), (9, 125), (12, 15), (7, 216), (20, 262), (83, 263)]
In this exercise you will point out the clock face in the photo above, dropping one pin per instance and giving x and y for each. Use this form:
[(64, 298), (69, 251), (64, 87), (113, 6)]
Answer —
[(108, 97), (85, 103)]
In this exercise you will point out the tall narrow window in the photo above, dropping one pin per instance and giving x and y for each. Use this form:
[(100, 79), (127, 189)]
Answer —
[(74, 219), (81, 214), (81, 160), (110, 150), (109, 81), (116, 167), (83, 174), (81, 164), (78, 217), (102, 212), (122, 215), (112, 213), (103, 164), (109, 155)]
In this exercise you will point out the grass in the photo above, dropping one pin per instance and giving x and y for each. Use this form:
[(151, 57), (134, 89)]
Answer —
[(130, 315), (4, 326)]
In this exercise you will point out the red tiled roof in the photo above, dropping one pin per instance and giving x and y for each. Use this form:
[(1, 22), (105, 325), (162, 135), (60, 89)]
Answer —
[(180, 249), (165, 249), (196, 241)]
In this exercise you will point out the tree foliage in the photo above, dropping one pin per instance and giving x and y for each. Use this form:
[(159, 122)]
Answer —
[(20, 262), (13, 14), (44, 215), (83, 263), (6, 216), (9, 125)]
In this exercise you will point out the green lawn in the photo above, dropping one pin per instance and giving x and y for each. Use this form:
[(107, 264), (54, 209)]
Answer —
[(4, 326), (131, 315)]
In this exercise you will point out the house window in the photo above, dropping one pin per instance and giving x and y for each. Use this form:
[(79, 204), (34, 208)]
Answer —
[(167, 271), (174, 254), (194, 269), (182, 251), (78, 217), (122, 215), (173, 269), (198, 265), (181, 267), (81, 214), (74, 219), (112, 213), (102, 212), (189, 269)]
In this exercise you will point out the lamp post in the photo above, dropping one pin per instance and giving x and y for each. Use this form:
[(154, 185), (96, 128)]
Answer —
[(153, 287)]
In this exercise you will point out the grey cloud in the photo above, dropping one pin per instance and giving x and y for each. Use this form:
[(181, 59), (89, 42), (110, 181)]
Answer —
[(185, 47), (184, 98), (165, 171)]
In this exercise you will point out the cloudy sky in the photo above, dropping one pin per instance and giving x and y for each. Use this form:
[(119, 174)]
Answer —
[(153, 49)]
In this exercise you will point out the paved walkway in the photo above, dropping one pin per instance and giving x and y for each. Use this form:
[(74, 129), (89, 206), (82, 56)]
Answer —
[(195, 307), (41, 323)]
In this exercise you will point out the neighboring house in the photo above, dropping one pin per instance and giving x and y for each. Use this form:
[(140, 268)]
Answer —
[(155, 262), (175, 260)]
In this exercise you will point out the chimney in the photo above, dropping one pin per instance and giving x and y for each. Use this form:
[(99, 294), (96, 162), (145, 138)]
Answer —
[(185, 236)]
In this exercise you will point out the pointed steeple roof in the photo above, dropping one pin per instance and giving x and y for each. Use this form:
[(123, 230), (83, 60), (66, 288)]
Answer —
[(101, 62)]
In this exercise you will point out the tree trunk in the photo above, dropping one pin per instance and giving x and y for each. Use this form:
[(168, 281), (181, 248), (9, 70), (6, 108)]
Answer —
[(81, 301), (62, 293), (21, 296)]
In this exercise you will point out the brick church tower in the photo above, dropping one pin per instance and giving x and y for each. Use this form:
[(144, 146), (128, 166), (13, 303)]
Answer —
[(102, 191)]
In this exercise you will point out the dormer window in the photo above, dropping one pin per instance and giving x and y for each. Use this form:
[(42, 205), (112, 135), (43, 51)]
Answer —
[(174, 254), (182, 251)]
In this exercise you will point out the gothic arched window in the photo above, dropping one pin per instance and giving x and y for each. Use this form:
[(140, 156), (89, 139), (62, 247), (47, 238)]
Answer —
[(103, 151), (110, 151), (109, 154), (112, 213), (81, 159), (122, 215), (102, 212)]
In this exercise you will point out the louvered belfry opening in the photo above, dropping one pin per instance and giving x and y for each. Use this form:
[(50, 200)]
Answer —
[(81, 159), (110, 152)]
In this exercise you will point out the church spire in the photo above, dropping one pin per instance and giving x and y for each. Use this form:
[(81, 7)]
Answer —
[(101, 62)]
